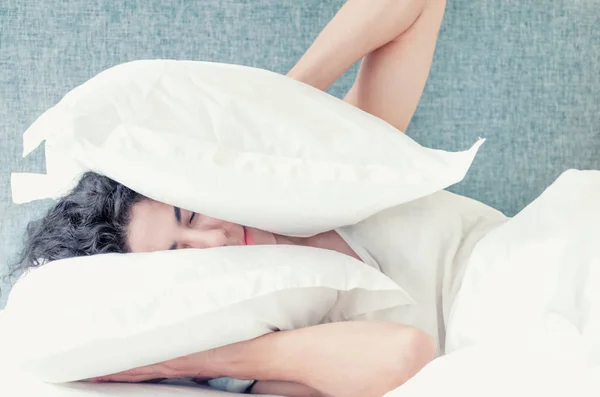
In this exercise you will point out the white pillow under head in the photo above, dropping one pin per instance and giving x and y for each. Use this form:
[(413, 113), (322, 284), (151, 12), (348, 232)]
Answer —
[(90, 316), (236, 143)]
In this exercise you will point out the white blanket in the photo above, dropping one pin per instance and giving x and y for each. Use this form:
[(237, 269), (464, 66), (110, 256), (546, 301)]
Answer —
[(526, 321)]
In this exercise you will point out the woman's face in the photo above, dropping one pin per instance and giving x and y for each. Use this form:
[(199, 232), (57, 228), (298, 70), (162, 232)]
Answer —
[(156, 226)]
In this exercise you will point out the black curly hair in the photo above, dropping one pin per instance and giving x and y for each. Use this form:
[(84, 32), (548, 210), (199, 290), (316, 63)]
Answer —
[(91, 219)]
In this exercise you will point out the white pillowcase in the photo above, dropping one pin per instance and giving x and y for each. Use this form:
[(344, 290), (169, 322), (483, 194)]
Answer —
[(90, 316), (236, 143)]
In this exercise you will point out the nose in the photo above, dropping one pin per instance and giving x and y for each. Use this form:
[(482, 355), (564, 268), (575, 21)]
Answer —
[(193, 238)]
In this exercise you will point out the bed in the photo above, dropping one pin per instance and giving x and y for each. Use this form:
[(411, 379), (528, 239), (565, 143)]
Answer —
[(524, 76)]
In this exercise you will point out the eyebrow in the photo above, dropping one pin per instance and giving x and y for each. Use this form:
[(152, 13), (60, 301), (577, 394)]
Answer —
[(177, 214), (178, 218)]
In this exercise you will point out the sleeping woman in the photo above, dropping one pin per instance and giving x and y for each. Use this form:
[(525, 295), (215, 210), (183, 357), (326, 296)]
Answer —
[(395, 40)]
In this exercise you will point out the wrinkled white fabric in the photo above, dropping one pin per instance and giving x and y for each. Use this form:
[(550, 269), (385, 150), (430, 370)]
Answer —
[(538, 275), (424, 246), (526, 321), (497, 370), (91, 316), (236, 143)]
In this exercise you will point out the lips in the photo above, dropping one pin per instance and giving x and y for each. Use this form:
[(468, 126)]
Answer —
[(248, 239)]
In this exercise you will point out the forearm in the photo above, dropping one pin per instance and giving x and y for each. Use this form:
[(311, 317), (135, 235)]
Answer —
[(341, 360), (285, 389), (358, 28)]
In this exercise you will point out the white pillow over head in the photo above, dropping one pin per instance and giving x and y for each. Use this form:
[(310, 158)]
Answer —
[(90, 316), (236, 143)]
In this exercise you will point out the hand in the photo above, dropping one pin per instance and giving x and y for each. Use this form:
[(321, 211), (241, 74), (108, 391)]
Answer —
[(191, 366)]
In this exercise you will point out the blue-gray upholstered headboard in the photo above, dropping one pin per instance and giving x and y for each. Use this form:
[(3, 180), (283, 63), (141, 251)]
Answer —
[(525, 75)]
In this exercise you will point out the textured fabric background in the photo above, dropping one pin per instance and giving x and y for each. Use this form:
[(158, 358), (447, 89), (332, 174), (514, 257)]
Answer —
[(525, 75)]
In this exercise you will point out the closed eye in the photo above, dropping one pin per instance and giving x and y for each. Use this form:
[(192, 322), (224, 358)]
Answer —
[(192, 217)]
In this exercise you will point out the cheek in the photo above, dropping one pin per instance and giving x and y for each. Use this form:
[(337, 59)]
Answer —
[(234, 232), (206, 222)]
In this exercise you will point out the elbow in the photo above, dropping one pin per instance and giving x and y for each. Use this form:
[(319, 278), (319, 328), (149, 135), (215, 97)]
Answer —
[(414, 349), (421, 349)]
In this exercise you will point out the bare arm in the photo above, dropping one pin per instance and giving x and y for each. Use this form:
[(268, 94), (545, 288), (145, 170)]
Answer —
[(348, 359), (287, 389), (345, 359), (395, 39)]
